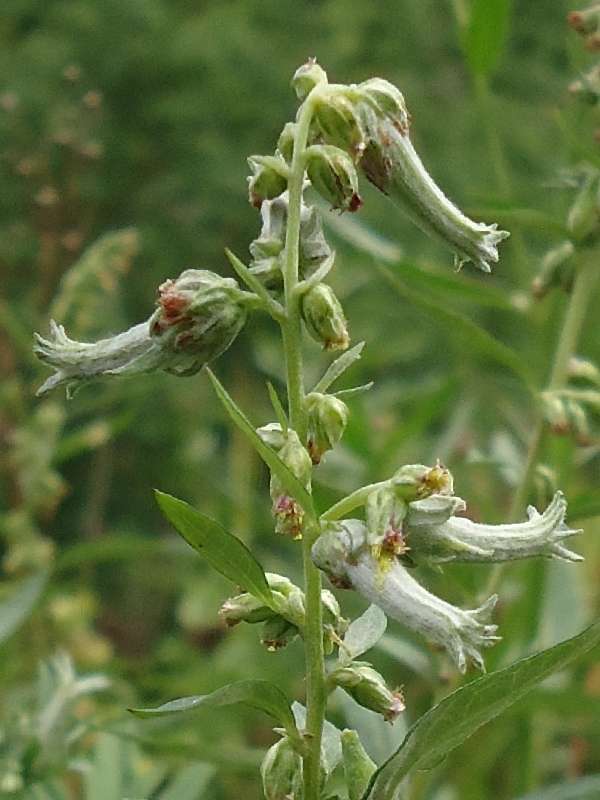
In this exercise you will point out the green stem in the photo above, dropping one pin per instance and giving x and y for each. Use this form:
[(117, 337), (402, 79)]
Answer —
[(316, 694)]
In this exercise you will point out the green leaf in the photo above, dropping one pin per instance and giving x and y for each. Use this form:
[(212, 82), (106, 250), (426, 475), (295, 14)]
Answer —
[(190, 784), (288, 480), (16, 610), (587, 788), (465, 331), (363, 634), (460, 714), (483, 37), (221, 549), (339, 366), (253, 692)]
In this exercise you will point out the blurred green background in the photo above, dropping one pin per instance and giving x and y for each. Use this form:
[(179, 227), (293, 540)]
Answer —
[(133, 119)]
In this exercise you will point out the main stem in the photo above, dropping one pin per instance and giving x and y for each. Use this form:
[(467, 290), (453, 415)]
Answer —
[(292, 343)]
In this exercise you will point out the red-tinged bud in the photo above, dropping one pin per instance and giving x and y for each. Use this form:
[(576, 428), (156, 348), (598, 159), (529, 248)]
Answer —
[(367, 688), (332, 174), (324, 318), (327, 420)]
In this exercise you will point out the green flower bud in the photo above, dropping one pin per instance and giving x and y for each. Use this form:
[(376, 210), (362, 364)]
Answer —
[(327, 420), (584, 219), (390, 163), (358, 767), (414, 481), (278, 632), (281, 771), (386, 100), (460, 539), (343, 553), (198, 317), (324, 318), (367, 688), (337, 121), (556, 269), (289, 517), (384, 513), (269, 178), (244, 608), (285, 143), (307, 77), (272, 435), (332, 174)]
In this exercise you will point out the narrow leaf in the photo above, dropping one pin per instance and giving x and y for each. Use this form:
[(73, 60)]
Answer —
[(339, 366), (460, 714), (253, 692), (363, 634), (16, 610), (484, 36), (464, 330), (288, 480), (190, 783), (277, 407), (221, 549)]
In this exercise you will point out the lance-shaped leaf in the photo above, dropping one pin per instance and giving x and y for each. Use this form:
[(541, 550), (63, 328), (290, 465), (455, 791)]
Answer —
[(363, 634), (16, 609), (460, 714), (253, 692), (221, 549), (288, 480)]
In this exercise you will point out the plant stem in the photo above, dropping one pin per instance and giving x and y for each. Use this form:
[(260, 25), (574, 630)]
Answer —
[(316, 695)]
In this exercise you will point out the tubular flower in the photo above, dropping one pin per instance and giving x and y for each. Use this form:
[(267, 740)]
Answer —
[(343, 553), (198, 317), (431, 529)]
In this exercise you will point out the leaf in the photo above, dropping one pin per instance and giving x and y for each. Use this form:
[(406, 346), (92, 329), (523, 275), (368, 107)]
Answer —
[(460, 714), (339, 366), (363, 634), (331, 744), (288, 480), (16, 610), (190, 784), (587, 788), (483, 37), (464, 330), (253, 692), (221, 549)]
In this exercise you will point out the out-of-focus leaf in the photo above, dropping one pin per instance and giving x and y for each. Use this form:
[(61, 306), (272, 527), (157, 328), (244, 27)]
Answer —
[(483, 37), (85, 300), (221, 549), (288, 480), (363, 634), (464, 330), (190, 784), (255, 693), (16, 610), (104, 781), (460, 714), (331, 745), (587, 788), (585, 506)]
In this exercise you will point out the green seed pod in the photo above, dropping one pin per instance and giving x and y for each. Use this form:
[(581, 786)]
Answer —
[(307, 77), (269, 178), (281, 771), (324, 318), (367, 688), (332, 174), (358, 767), (327, 420)]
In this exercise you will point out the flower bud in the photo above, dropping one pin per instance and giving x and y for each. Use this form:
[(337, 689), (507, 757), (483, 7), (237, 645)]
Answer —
[(367, 688), (269, 178), (338, 122), (390, 163), (324, 318), (272, 435), (384, 513), (332, 174), (584, 220), (587, 88), (287, 137), (413, 481), (358, 767), (386, 100), (307, 77), (244, 608), (278, 632), (289, 517), (327, 420), (281, 771), (198, 317), (556, 269), (586, 21)]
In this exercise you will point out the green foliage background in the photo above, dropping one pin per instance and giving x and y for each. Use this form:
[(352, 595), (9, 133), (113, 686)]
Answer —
[(139, 114)]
